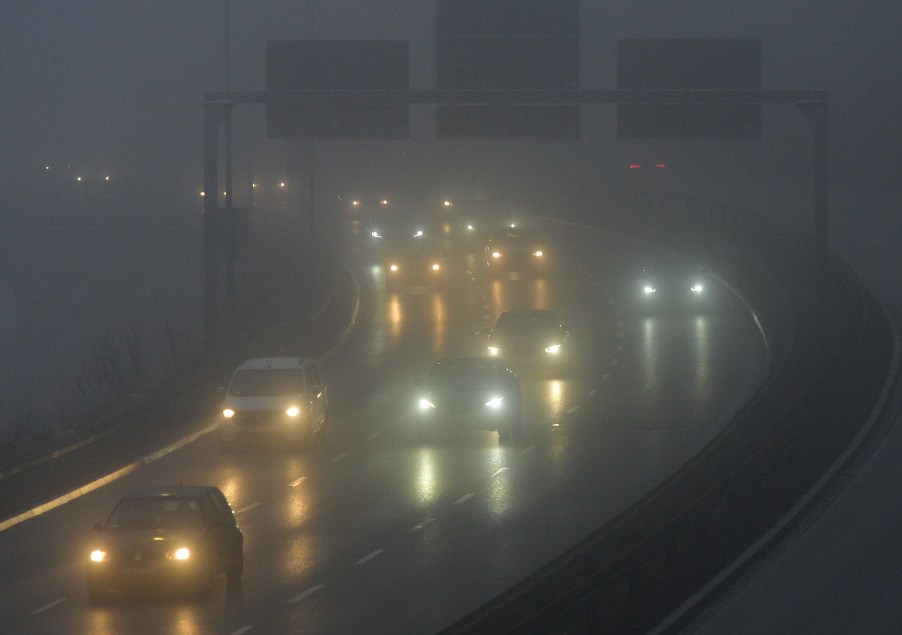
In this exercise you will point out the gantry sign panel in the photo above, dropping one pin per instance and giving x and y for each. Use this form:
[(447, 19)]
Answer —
[(689, 65), (331, 65), (504, 45)]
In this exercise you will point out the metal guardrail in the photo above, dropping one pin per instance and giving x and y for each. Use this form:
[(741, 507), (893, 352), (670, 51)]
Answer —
[(828, 345)]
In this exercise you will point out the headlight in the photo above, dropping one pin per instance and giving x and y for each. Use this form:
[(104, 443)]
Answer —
[(418, 233), (228, 413), (436, 266), (393, 267), (554, 349), (648, 289), (496, 254), (425, 404), (293, 411), (538, 253), (697, 288), (494, 403), (375, 234), (99, 555), (182, 553), (494, 350)]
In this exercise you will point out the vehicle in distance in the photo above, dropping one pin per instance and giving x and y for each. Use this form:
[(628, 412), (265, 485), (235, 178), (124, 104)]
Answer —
[(470, 393), (416, 262), (672, 284), (178, 538), (278, 397), (515, 249), (530, 338)]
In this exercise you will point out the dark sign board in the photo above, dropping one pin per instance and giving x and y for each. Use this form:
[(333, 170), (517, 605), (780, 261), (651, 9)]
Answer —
[(507, 45), (507, 122), (689, 65), (335, 65)]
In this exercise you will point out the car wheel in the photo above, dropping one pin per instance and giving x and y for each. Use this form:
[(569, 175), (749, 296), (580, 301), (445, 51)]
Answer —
[(236, 567)]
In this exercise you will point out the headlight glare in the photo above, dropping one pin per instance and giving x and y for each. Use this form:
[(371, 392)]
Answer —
[(494, 350), (182, 553), (293, 411), (494, 403), (553, 349), (648, 289), (99, 555), (228, 413), (425, 404)]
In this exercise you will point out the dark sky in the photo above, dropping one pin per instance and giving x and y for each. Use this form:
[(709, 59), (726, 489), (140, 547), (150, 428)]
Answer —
[(114, 87)]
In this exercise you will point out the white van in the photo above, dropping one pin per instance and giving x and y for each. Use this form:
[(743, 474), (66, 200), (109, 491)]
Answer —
[(283, 397)]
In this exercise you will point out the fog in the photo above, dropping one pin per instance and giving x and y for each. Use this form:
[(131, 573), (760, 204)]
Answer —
[(102, 90)]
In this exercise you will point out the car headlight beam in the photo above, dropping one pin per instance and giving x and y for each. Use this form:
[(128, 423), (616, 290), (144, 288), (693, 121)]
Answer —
[(99, 555), (494, 351), (182, 553), (425, 404), (293, 411), (228, 413), (554, 349)]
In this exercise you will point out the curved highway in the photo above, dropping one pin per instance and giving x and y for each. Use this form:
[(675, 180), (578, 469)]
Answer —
[(375, 533)]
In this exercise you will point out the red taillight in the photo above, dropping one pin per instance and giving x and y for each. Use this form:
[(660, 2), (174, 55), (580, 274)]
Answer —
[(635, 166), (660, 166)]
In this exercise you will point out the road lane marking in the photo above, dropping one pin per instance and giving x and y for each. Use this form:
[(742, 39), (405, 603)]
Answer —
[(104, 480), (248, 508), (47, 607), (306, 594), (339, 458), (298, 481), (464, 498), (499, 472), (370, 556), (242, 630), (428, 521), (573, 409), (527, 450)]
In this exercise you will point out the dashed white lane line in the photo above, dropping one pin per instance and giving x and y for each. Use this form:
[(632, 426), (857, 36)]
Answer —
[(374, 436), (370, 556), (527, 450), (422, 525), (573, 409), (503, 469), (306, 594), (463, 499), (47, 607), (339, 458), (248, 508), (242, 630), (298, 481)]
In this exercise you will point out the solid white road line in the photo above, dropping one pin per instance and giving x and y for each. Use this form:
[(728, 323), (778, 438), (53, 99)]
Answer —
[(464, 498), (499, 472), (47, 607), (298, 481), (307, 593), (242, 630)]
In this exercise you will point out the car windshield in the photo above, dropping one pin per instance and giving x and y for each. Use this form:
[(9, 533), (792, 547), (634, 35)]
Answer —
[(156, 513), (267, 382), (527, 322), (516, 237), (463, 373)]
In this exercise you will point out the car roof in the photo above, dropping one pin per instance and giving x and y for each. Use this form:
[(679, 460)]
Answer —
[(174, 491), (273, 363)]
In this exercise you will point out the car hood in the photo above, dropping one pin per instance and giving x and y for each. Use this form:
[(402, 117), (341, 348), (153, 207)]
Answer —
[(261, 404)]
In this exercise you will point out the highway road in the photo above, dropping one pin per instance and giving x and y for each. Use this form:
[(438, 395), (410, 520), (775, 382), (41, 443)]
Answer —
[(376, 533)]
